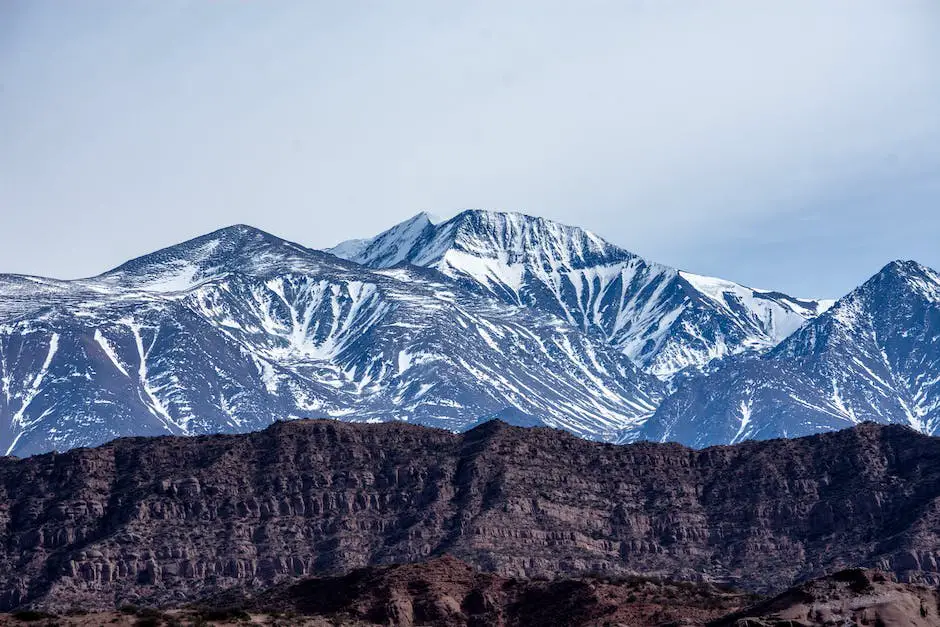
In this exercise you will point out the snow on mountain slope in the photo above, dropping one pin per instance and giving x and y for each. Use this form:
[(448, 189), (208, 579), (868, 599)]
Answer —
[(875, 355), (778, 314), (389, 248), (662, 319), (233, 330)]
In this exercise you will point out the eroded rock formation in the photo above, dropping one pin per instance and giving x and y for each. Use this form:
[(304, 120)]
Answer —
[(171, 519)]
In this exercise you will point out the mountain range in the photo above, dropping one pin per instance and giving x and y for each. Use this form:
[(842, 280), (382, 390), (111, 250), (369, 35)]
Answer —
[(234, 330), (449, 324)]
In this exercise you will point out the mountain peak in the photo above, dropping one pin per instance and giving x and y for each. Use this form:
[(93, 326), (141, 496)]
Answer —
[(389, 248), (497, 218), (239, 247), (900, 281), (494, 216), (908, 268), (905, 265), (903, 277), (426, 216), (520, 233), (872, 356), (638, 306), (233, 237), (511, 237), (241, 229)]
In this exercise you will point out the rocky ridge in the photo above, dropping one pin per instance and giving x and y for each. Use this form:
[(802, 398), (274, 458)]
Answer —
[(167, 519)]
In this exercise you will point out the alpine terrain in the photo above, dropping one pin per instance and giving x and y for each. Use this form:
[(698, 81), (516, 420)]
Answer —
[(450, 324), (874, 356), (236, 329), (662, 319)]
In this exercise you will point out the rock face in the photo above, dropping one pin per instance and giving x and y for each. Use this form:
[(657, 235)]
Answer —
[(171, 518)]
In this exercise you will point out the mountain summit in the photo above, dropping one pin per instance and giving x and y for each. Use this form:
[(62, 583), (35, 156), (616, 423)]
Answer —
[(875, 355), (662, 319)]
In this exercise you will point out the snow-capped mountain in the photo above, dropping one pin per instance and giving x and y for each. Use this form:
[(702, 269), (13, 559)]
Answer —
[(486, 315), (875, 355), (663, 319), (238, 328)]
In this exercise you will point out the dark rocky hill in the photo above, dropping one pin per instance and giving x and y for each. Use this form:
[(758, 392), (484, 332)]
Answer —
[(172, 519)]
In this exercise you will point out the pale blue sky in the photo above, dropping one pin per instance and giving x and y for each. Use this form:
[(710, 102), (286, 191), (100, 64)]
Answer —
[(792, 145)]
